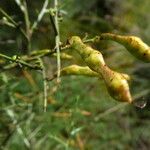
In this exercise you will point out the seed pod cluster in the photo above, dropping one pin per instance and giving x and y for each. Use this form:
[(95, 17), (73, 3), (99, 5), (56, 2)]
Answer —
[(116, 83), (132, 43)]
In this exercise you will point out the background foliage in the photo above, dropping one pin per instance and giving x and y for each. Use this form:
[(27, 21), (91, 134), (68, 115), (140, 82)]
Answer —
[(81, 114)]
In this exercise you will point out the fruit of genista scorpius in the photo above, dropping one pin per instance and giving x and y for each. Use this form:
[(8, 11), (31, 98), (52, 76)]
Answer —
[(78, 70), (132, 43), (116, 83), (82, 71)]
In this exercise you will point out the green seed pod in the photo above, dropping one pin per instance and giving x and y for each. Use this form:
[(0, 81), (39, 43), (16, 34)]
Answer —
[(78, 70), (84, 71), (116, 83), (48, 51), (132, 43), (91, 57), (64, 56)]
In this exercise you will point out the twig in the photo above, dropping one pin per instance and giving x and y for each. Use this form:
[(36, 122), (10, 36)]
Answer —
[(13, 22), (34, 55), (57, 39), (92, 40), (26, 17), (24, 9), (53, 23), (27, 22), (45, 84), (21, 62), (27, 58), (40, 16), (37, 54)]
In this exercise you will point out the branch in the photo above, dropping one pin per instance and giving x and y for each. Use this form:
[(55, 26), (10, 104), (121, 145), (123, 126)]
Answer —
[(24, 9), (92, 40), (40, 16), (57, 39), (33, 56), (16, 25), (20, 62), (45, 84)]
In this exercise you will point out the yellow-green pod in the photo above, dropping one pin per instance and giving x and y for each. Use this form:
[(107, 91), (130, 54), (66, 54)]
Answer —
[(78, 70), (83, 71), (40, 52), (91, 57), (132, 43), (116, 83), (64, 56), (47, 51)]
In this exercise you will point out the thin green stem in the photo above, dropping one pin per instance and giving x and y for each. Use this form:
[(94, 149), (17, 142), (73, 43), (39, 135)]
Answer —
[(8, 17), (27, 22), (13, 22), (24, 9), (57, 39), (33, 56), (45, 84), (53, 24), (92, 40), (40, 16), (20, 62)]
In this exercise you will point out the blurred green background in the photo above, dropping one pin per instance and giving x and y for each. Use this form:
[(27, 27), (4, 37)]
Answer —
[(80, 115)]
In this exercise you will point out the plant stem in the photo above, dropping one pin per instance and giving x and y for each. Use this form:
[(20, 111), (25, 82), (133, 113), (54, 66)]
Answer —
[(13, 22), (92, 40), (27, 22), (24, 9), (57, 39), (34, 55), (45, 84), (53, 24), (40, 16), (21, 62)]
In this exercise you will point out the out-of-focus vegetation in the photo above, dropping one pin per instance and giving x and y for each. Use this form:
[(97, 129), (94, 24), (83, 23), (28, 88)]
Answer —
[(80, 114)]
